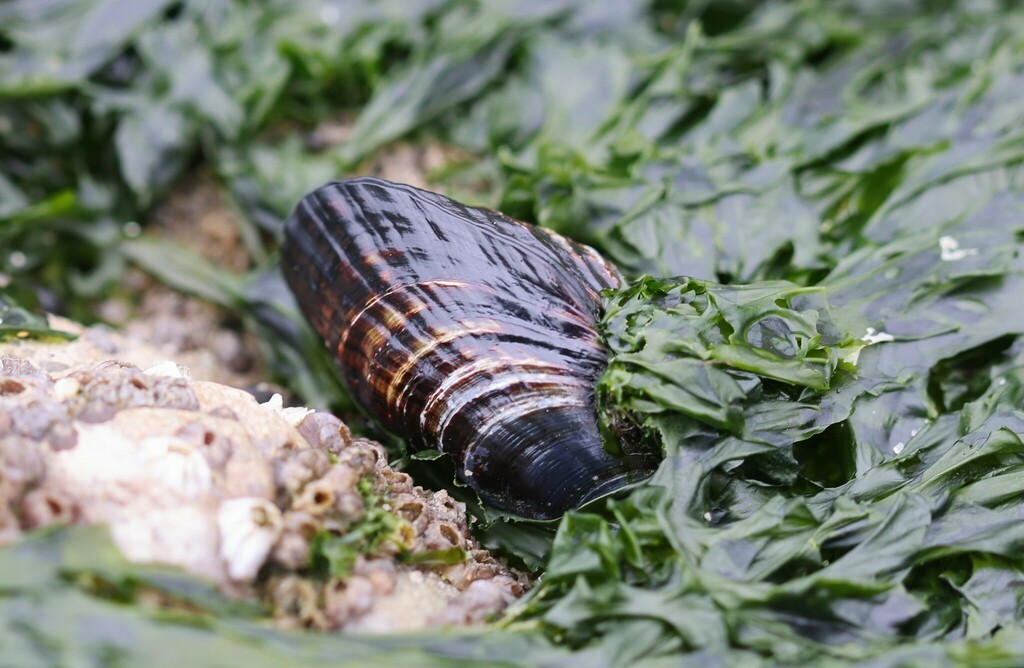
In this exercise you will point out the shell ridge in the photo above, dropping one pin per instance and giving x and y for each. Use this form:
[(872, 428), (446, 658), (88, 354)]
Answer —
[(398, 388), (451, 384), (516, 249), (526, 406), (381, 298), (546, 379), (511, 330)]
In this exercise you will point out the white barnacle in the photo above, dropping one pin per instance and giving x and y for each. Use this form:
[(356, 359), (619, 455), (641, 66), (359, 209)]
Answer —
[(293, 415), (249, 528), (872, 336), (950, 250), (169, 369), (178, 464), (274, 403), (898, 448), (66, 388)]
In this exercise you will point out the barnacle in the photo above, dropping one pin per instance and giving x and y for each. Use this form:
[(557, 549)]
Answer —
[(249, 527), (45, 505), (325, 432), (178, 464), (292, 549)]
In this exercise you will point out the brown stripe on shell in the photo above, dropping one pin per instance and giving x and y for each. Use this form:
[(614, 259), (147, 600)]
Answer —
[(463, 329)]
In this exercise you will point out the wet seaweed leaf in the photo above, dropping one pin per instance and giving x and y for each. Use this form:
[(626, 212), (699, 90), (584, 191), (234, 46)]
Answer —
[(48, 576), (17, 322), (819, 206)]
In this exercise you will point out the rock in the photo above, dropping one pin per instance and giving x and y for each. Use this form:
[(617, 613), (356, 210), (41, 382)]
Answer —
[(196, 474)]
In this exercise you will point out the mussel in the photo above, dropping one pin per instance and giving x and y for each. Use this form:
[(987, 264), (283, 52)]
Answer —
[(462, 329)]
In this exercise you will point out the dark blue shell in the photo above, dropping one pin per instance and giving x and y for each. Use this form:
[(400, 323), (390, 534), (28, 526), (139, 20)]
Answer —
[(462, 329)]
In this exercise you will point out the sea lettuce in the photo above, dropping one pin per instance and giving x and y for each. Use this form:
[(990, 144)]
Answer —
[(819, 207)]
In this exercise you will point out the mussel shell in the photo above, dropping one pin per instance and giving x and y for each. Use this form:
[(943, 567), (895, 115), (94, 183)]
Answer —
[(462, 329)]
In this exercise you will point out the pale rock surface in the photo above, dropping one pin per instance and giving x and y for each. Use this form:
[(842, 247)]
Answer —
[(196, 474)]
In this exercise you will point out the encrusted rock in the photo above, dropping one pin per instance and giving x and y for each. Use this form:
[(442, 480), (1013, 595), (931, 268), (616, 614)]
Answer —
[(202, 476)]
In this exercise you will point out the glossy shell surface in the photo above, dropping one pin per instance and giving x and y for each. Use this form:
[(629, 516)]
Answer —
[(464, 330)]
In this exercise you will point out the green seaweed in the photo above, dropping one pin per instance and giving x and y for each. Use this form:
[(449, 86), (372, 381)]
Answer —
[(820, 208)]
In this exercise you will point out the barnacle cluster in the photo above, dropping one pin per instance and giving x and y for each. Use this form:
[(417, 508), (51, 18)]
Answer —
[(329, 499), (267, 501)]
